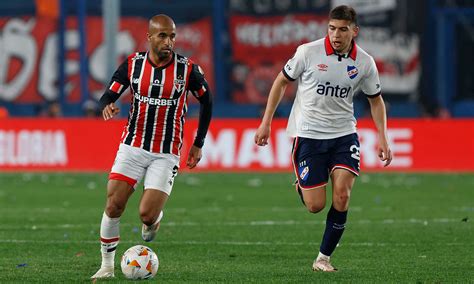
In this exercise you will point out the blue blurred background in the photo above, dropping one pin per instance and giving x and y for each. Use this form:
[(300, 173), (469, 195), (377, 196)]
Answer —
[(57, 56)]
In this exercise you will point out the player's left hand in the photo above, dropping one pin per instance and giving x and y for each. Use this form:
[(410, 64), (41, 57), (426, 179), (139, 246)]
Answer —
[(385, 154), (194, 156)]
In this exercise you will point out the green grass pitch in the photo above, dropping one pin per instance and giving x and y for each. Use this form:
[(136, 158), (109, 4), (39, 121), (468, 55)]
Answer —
[(246, 228)]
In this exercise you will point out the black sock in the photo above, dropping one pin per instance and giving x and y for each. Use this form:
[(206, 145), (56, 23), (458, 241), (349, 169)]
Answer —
[(335, 225)]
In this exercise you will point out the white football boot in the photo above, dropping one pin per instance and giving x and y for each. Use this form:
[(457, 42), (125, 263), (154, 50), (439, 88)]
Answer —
[(149, 232), (323, 264), (104, 272)]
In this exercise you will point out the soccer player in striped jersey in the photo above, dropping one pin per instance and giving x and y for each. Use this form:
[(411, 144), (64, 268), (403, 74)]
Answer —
[(151, 141), (329, 71)]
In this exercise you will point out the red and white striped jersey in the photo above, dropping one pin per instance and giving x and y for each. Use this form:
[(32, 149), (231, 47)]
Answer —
[(159, 100)]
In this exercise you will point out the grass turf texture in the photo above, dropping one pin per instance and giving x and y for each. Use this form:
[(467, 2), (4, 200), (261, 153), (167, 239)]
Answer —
[(243, 228)]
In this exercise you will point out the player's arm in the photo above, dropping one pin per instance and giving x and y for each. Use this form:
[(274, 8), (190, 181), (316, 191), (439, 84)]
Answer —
[(118, 84), (290, 72), (276, 94), (371, 87), (200, 89), (379, 115)]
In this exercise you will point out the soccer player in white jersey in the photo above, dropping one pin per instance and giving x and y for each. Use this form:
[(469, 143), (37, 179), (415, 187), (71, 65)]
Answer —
[(329, 72)]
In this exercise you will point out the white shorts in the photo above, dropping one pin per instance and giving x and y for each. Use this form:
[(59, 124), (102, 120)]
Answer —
[(132, 163)]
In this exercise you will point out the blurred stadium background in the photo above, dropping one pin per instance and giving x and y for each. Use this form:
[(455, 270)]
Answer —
[(64, 52), (57, 56)]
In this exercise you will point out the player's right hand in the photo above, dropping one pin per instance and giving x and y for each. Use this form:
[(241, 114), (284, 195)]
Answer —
[(384, 152), (110, 111), (262, 135)]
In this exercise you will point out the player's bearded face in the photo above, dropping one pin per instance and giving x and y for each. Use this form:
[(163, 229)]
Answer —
[(341, 33), (162, 42)]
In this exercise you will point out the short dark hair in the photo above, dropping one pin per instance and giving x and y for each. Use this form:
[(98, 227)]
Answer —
[(344, 12)]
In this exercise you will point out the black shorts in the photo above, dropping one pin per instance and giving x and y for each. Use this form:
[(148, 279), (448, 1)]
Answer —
[(315, 159)]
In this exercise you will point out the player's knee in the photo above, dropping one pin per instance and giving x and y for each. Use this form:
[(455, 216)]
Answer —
[(341, 200), (314, 207), (114, 209)]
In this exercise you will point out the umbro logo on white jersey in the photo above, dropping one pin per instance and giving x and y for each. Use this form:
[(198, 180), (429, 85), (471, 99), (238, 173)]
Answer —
[(322, 67)]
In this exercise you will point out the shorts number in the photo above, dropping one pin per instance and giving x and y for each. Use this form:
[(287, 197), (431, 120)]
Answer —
[(355, 152), (173, 174)]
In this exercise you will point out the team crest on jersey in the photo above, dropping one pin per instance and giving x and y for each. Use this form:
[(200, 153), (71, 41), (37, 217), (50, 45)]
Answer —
[(352, 71), (179, 84), (304, 173)]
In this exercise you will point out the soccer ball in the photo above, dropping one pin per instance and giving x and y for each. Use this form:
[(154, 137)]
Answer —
[(139, 262)]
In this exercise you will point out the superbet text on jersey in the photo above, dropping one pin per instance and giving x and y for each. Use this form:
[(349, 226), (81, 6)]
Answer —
[(159, 100), (326, 85)]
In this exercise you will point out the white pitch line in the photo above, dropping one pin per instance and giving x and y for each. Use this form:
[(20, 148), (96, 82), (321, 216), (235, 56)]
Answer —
[(424, 222), (228, 243), (211, 209)]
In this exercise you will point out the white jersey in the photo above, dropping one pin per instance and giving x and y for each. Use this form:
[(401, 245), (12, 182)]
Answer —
[(327, 82)]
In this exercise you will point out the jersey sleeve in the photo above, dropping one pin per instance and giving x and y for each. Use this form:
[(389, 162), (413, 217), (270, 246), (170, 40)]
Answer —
[(117, 85), (296, 65), (200, 89), (197, 83), (371, 84), (120, 82)]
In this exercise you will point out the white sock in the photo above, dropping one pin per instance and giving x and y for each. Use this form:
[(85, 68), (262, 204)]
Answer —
[(323, 256), (109, 239), (108, 259), (160, 216)]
